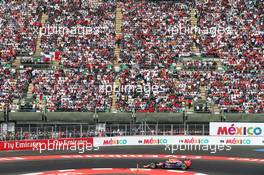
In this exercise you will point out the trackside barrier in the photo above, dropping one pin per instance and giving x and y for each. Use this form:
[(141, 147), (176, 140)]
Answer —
[(49, 144), (159, 117), (177, 140)]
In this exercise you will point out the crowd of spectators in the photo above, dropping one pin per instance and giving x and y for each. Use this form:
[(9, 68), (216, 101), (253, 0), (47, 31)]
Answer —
[(73, 89), (240, 87), (235, 35), (237, 92), (148, 28), (82, 36), (13, 85), (80, 31), (150, 50), (157, 90), (17, 28)]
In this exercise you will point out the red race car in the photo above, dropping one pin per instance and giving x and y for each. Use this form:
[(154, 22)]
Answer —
[(171, 164)]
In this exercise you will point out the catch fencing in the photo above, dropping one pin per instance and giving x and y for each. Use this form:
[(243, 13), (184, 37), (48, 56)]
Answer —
[(56, 131)]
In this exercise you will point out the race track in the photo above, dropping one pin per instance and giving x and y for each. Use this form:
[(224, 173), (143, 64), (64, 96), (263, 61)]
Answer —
[(220, 163)]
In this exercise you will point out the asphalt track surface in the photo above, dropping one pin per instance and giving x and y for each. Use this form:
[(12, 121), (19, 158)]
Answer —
[(212, 167)]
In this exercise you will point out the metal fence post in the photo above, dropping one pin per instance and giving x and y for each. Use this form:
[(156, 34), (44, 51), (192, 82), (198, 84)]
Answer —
[(74, 132), (52, 132), (55, 131), (184, 122), (163, 129), (29, 130), (145, 128), (37, 133), (81, 133), (21, 133), (157, 128), (125, 129), (203, 129), (110, 130)]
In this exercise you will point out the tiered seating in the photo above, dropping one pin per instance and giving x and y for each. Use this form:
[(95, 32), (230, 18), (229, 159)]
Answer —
[(13, 84), (151, 47), (240, 87), (150, 36), (158, 89), (239, 92), (145, 44), (73, 89), (153, 76), (84, 49), (18, 26), (79, 32)]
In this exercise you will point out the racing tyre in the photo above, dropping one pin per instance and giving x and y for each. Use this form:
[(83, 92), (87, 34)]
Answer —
[(153, 165), (184, 167)]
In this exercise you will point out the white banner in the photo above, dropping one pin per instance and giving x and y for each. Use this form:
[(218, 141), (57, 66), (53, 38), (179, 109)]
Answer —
[(177, 140), (236, 129)]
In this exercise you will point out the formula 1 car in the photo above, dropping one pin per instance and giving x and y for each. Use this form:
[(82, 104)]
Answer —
[(171, 164)]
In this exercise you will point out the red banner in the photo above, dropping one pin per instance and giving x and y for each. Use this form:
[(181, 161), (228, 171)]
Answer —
[(50, 144)]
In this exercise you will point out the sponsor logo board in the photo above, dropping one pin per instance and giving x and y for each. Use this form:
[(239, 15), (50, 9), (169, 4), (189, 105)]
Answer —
[(236, 129)]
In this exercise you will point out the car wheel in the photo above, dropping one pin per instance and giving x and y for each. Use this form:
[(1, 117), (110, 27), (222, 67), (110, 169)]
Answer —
[(183, 167), (153, 165)]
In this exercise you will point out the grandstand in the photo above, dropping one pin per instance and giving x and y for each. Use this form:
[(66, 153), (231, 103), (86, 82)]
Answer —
[(114, 61)]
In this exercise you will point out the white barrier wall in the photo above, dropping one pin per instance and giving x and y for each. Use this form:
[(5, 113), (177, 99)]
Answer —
[(177, 140)]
